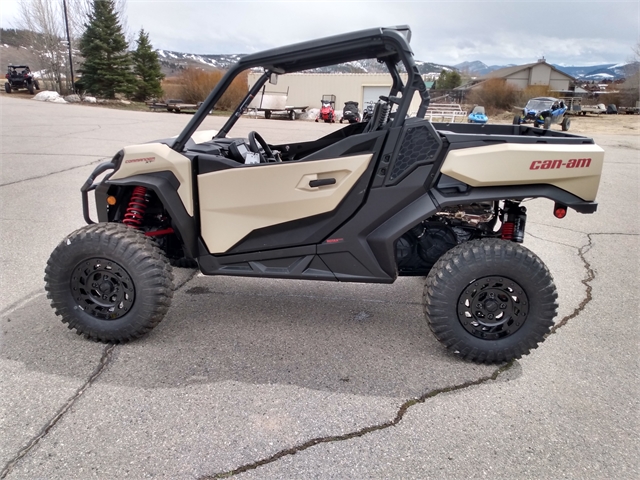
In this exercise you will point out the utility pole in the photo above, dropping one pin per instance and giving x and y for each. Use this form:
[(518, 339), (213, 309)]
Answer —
[(66, 21)]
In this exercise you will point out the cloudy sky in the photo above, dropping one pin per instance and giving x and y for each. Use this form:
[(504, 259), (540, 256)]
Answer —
[(566, 32)]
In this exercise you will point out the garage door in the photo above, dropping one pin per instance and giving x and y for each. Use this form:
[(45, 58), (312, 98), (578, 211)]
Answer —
[(372, 93)]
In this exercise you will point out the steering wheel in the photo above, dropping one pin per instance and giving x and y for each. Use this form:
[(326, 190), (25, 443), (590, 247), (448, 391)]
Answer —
[(259, 146)]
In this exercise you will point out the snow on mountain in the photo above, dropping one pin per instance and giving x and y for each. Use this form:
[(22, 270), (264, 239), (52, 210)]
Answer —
[(178, 60)]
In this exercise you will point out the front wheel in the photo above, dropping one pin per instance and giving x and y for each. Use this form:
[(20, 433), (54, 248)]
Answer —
[(566, 123), (490, 300), (547, 123), (109, 282), (516, 120)]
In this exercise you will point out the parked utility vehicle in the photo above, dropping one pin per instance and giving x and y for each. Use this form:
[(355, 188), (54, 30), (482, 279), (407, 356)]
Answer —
[(366, 203), (544, 112), (20, 76)]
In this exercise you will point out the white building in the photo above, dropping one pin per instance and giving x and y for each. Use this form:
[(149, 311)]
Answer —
[(307, 89)]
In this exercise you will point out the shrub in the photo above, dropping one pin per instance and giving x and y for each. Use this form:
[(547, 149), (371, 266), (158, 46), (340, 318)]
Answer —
[(495, 94), (194, 85)]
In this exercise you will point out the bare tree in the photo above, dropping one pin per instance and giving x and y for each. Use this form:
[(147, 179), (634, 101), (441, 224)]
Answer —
[(630, 89), (44, 20)]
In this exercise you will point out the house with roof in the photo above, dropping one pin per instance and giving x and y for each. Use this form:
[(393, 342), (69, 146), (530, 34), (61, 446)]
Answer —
[(523, 76)]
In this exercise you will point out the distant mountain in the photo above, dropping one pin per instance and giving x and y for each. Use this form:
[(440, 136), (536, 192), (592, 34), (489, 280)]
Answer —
[(172, 61), (607, 71), (479, 68), (612, 71)]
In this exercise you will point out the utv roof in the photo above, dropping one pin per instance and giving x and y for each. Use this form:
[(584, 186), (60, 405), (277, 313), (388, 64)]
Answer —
[(382, 43)]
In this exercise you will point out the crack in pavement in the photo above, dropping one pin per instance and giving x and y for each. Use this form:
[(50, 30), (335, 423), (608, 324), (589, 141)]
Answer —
[(105, 360), (590, 276), (53, 173), (107, 357), (363, 431)]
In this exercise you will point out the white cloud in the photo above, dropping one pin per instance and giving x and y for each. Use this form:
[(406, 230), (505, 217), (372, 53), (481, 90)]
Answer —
[(446, 32)]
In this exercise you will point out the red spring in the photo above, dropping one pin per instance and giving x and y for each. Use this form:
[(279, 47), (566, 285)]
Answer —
[(507, 230), (137, 206)]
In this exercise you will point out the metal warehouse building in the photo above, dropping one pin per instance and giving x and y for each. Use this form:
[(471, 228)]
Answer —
[(307, 89)]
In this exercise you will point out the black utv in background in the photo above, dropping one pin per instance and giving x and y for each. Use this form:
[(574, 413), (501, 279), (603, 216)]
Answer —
[(20, 76)]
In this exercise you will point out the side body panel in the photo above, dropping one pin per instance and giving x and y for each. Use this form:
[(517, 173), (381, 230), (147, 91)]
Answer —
[(574, 168), (237, 201), (158, 157)]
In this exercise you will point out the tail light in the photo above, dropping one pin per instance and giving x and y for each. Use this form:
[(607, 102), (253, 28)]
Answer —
[(559, 211)]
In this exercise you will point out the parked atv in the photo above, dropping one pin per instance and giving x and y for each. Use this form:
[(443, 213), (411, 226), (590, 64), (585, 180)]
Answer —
[(478, 115), (350, 112), (544, 112), (20, 76), (327, 111), (366, 203)]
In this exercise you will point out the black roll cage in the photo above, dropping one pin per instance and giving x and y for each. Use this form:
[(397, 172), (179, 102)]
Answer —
[(388, 45)]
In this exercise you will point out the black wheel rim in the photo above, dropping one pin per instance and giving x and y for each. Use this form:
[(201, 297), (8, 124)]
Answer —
[(102, 288), (492, 308)]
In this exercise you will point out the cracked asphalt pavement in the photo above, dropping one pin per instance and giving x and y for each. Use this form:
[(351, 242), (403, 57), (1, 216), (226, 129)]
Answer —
[(260, 378)]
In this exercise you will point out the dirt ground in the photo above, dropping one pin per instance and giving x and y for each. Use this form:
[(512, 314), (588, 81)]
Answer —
[(590, 124)]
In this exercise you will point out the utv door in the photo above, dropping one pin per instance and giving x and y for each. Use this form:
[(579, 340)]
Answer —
[(270, 206)]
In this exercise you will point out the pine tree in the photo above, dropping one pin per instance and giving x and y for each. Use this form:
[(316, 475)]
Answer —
[(449, 79), (147, 68), (107, 64)]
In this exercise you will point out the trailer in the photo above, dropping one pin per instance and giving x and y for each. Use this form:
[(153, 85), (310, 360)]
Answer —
[(274, 102), (629, 110), (575, 107)]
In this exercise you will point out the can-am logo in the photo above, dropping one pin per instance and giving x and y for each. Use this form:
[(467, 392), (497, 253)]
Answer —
[(551, 164), (145, 160)]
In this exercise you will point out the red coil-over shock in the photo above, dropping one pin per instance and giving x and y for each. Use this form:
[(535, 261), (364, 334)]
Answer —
[(514, 220), (137, 207)]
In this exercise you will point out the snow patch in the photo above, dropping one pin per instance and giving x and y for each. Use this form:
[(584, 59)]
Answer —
[(89, 99), (49, 96)]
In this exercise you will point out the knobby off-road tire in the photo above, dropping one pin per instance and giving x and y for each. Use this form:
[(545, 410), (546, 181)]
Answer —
[(547, 123), (490, 300), (7, 88), (566, 123), (109, 282)]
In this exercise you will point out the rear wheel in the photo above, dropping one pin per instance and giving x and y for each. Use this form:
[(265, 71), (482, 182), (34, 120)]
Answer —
[(490, 300), (7, 88), (109, 282), (267, 114), (31, 88)]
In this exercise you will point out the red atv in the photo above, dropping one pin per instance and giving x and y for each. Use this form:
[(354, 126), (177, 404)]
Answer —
[(328, 111)]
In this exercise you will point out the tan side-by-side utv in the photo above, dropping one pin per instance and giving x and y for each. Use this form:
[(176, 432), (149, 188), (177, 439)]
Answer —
[(394, 195)]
